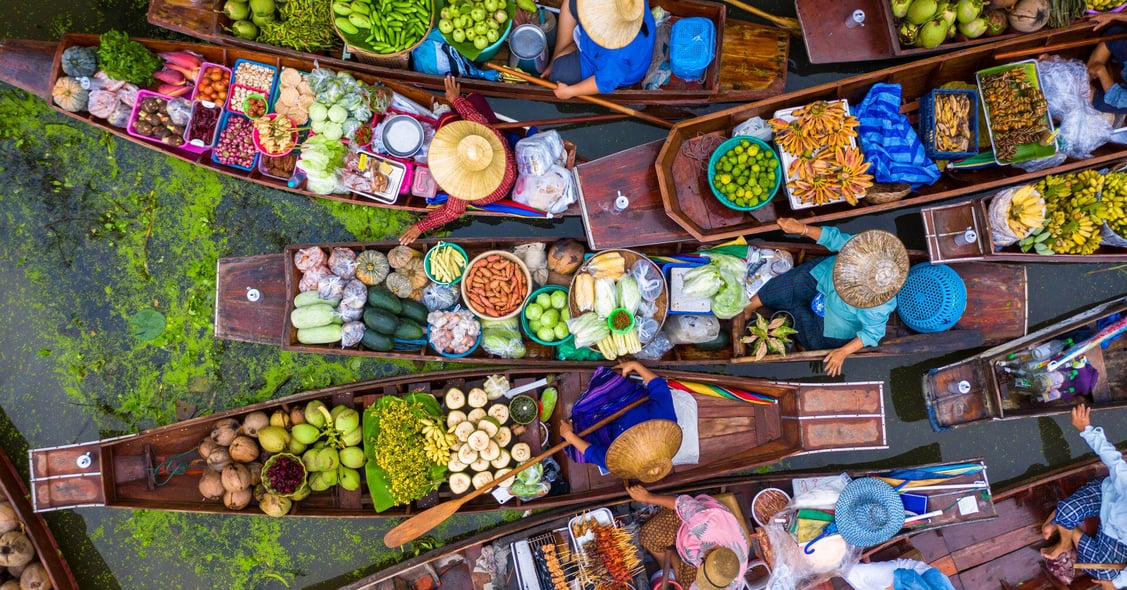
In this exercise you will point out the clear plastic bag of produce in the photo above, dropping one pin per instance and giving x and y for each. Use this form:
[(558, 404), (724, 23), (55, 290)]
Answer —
[(552, 191), (629, 297), (655, 349), (355, 294), (755, 127), (331, 288), (503, 342), (351, 333), (587, 329), (998, 213), (647, 329), (794, 568), (691, 329), (606, 297), (179, 111), (649, 280), (1082, 127), (308, 258), (311, 279), (120, 115), (732, 297), (437, 297), (343, 263), (702, 281), (537, 154), (350, 314)]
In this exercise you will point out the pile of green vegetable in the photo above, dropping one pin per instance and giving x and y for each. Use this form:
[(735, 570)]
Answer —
[(722, 281), (398, 469), (304, 25), (121, 58)]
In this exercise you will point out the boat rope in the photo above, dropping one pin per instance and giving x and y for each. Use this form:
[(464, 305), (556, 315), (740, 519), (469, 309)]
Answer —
[(172, 466), (700, 148)]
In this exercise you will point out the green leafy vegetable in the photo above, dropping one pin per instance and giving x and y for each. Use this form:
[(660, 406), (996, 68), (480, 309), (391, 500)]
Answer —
[(127, 60)]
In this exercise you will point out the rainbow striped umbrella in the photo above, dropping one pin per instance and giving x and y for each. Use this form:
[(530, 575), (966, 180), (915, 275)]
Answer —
[(924, 476), (733, 393)]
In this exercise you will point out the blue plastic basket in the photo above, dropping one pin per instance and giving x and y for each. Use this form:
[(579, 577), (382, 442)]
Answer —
[(692, 47), (932, 299), (227, 115), (451, 355), (927, 124)]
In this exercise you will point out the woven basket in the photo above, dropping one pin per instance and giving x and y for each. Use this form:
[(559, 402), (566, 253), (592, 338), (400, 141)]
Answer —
[(887, 193), (658, 534), (399, 59)]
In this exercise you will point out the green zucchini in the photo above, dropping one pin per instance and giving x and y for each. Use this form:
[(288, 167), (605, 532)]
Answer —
[(413, 310), (311, 316), (319, 334), (310, 298), (380, 320), (383, 298), (373, 340), (409, 330)]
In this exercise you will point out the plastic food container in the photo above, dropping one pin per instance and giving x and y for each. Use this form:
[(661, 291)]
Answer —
[(1025, 151), (725, 148), (201, 144), (223, 122), (258, 141), (131, 130), (435, 248), (549, 289), (237, 106), (263, 160), (928, 132), (402, 136), (267, 89), (206, 68), (423, 184), (396, 173)]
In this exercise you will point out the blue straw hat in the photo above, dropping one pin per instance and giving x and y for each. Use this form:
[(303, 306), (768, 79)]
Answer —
[(868, 512)]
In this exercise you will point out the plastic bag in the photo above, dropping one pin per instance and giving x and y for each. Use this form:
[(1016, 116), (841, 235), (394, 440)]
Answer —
[(503, 342), (755, 127), (552, 192), (179, 111), (606, 297), (435, 56), (351, 334), (691, 329), (536, 259), (537, 154), (308, 258), (331, 288), (647, 329), (998, 213), (350, 314), (646, 310), (355, 294), (702, 282), (120, 115), (655, 349), (311, 279), (795, 569), (587, 329), (437, 296), (649, 280), (568, 352), (629, 298), (1066, 89), (343, 263)]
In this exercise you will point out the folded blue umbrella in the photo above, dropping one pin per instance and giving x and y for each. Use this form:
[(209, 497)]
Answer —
[(890, 142)]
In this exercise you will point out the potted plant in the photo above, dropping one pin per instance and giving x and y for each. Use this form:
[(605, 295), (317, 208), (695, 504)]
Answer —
[(768, 337)]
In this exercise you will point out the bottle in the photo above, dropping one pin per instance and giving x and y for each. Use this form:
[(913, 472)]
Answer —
[(1035, 385), (1049, 349)]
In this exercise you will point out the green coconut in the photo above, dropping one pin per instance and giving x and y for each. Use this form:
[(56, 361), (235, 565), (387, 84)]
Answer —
[(921, 11)]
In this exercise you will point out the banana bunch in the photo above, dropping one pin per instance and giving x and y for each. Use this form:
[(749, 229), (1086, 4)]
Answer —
[(1114, 199), (436, 441), (816, 125), (1103, 5), (1027, 211), (952, 122)]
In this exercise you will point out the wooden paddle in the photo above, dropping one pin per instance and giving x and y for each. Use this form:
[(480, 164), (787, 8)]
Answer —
[(580, 120), (791, 25), (426, 520), (1099, 566), (591, 99)]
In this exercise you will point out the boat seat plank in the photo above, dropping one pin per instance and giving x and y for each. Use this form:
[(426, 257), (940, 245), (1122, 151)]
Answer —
[(839, 433), (838, 399), (1022, 564), (69, 491), (238, 318), (1000, 544), (62, 461), (755, 58), (943, 222)]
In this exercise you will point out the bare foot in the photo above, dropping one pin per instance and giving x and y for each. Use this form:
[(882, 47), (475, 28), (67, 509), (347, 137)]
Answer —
[(1066, 543), (1047, 527)]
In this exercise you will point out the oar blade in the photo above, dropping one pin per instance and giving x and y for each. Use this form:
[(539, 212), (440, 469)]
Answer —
[(419, 524)]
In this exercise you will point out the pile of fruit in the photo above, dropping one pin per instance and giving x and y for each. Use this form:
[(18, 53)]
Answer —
[(928, 23), (232, 470), (477, 440), (607, 295), (304, 25), (495, 285), (827, 165), (547, 316), (1074, 212), (1016, 110), (401, 468), (383, 26), (20, 568), (1026, 212), (479, 23), (745, 174), (180, 73), (952, 122)]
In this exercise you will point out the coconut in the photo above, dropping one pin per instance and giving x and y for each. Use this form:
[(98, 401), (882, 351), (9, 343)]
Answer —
[(921, 11), (274, 505), (933, 33), (280, 418), (225, 431), (9, 520), (968, 10), (207, 446), (211, 485), (1002, 4), (10, 585), (238, 499), (219, 458), (255, 470), (15, 570), (243, 449), (273, 439), (254, 422), (15, 549), (236, 477), (35, 578), (900, 8), (974, 29), (564, 256), (996, 22), (297, 416), (1029, 15)]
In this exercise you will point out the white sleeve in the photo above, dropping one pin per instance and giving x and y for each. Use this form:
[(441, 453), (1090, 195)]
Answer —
[(879, 575)]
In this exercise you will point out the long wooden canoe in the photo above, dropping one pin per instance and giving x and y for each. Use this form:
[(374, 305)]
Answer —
[(35, 65), (734, 436), (1005, 552), (996, 311), (751, 59), (46, 548), (454, 564), (676, 187), (990, 397)]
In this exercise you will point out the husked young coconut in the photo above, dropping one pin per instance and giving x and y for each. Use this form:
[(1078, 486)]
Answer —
[(237, 500), (243, 449), (10, 585), (15, 549), (207, 446), (254, 422), (225, 431), (9, 520), (211, 485), (255, 469), (219, 458), (35, 578), (236, 477)]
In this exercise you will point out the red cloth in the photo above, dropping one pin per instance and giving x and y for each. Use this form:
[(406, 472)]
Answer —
[(455, 207)]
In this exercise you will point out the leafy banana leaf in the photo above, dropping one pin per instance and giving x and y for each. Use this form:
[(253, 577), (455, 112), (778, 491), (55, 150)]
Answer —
[(379, 482)]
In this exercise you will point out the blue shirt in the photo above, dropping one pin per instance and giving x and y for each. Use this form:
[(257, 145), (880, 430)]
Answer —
[(843, 320), (1113, 501), (615, 68), (1116, 96), (659, 407)]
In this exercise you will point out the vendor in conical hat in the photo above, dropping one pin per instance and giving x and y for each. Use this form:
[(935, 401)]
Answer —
[(601, 45), (840, 302), (644, 439), (469, 160)]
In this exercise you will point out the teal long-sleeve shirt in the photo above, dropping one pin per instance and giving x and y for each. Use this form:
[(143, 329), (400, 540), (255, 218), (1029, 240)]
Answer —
[(843, 320)]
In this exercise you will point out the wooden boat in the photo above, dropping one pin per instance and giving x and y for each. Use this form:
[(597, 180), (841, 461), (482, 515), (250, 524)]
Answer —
[(995, 313), (677, 186), (751, 64), (1005, 552), (454, 564), (34, 527), (35, 65), (990, 396), (734, 436)]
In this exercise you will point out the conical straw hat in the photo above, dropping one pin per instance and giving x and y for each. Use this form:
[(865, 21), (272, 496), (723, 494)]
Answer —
[(612, 24), (645, 451), (870, 269), (467, 160)]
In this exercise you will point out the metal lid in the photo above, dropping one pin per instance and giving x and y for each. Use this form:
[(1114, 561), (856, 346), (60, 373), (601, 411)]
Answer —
[(527, 41), (402, 136)]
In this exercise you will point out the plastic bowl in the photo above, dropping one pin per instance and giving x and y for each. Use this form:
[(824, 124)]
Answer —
[(549, 289), (610, 321), (258, 143), (246, 105), (725, 148), (435, 248), (451, 355)]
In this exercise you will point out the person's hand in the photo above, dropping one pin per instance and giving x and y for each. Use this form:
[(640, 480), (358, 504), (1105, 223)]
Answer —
[(629, 367), (410, 235), (791, 225), (566, 431), (1106, 18), (547, 71), (564, 91), (834, 361), (453, 89), (638, 493), (1081, 417)]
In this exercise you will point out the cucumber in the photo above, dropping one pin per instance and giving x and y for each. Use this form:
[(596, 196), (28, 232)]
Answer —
[(413, 310), (345, 26), (373, 340), (319, 334), (409, 330), (380, 321), (382, 298), (312, 316), (310, 298)]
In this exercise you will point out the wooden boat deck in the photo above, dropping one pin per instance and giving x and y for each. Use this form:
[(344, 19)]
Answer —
[(752, 64), (130, 471)]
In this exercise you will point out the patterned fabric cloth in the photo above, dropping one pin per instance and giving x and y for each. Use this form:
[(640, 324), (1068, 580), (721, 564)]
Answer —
[(454, 208), (706, 523), (792, 292), (1073, 511), (606, 393), (890, 142)]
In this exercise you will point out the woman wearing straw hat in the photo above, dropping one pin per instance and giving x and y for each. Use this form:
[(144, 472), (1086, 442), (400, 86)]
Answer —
[(642, 442), (707, 537), (601, 45), (855, 290), (469, 160)]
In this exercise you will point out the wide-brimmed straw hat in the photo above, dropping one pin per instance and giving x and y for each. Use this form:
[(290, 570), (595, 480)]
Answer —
[(870, 269), (645, 451), (467, 160), (868, 512), (612, 24), (720, 567)]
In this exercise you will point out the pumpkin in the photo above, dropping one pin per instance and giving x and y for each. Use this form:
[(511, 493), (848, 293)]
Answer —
[(80, 62), (400, 256), (371, 267), (400, 284), (69, 94)]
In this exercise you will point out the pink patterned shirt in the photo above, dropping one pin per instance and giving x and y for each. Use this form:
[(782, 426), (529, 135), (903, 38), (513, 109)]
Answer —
[(706, 523)]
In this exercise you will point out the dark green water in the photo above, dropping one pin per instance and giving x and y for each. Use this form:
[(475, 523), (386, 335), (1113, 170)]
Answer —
[(94, 229)]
